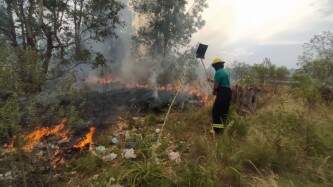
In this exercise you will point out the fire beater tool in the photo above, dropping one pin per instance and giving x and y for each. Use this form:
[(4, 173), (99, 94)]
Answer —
[(200, 54)]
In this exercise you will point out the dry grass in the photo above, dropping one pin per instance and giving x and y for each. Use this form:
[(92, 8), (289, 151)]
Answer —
[(283, 144)]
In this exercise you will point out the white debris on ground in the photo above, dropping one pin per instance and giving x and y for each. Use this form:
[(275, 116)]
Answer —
[(100, 149), (129, 153), (115, 141), (7, 176), (110, 157), (174, 156), (158, 131)]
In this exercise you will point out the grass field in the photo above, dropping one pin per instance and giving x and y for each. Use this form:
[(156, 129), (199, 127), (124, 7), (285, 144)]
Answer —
[(283, 144)]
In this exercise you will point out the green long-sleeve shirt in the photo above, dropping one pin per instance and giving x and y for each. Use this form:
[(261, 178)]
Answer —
[(222, 77)]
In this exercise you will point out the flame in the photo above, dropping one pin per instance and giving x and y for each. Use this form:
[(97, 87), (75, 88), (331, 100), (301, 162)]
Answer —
[(189, 89), (105, 80), (87, 140), (36, 136)]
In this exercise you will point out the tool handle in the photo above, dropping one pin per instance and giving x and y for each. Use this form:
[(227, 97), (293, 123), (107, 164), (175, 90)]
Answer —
[(206, 72)]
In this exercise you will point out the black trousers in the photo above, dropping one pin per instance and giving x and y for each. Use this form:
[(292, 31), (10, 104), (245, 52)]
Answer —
[(221, 106)]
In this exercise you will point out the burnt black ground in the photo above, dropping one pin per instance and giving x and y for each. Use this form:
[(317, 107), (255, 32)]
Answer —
[(101, 107), (105, 106)]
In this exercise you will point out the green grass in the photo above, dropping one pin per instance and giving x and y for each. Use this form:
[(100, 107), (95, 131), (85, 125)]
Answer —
[(283, 144)]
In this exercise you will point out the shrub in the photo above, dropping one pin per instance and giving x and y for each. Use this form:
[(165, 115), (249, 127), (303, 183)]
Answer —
[(306, 88), (9, 119)]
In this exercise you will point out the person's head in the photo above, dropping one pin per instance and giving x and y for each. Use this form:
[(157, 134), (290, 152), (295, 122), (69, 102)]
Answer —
[(218, 64)]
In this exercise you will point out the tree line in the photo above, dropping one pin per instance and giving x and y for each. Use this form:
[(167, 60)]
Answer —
[(59, 32)]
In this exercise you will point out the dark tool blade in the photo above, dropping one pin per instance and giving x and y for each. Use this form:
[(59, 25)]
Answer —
[(201, 51)]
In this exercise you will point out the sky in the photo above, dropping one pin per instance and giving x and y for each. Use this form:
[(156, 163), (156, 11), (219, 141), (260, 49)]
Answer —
[(250, 30)]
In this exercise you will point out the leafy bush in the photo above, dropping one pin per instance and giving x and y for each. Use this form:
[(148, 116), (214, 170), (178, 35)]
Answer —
[(20, 71), (306, 88), (9, 77), (261, 74), (9, 119)]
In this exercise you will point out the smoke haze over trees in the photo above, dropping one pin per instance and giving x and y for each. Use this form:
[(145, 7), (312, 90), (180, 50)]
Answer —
[(57, 30), (165, 31)]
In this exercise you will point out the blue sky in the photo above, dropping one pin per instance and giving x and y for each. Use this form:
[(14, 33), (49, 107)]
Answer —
[(250, 30)]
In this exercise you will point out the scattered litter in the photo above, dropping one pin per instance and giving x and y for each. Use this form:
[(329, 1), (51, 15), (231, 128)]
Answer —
[(158, 131), (129, 153), (7, 176), (115, 140), (135, 118), (174, 156), (100, 149), (110, 157)]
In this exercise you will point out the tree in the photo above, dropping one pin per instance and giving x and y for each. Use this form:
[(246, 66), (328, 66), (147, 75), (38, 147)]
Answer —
[(263, 72), (168, 25), (315, 75), (317, 58), (281, 73), (58, 28), (240, 72)]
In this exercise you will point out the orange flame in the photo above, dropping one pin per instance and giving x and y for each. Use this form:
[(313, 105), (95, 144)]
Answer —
[(36, 136), (189, 89), (87, 140), (105, 80)]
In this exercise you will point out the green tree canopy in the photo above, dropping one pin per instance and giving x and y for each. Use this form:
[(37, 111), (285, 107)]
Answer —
[(168, 24), (317, 58), (58, 28)]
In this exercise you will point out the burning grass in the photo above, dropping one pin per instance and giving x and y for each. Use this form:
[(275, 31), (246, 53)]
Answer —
[(54, 144), (86, 140), (189, 89), (35, 137)]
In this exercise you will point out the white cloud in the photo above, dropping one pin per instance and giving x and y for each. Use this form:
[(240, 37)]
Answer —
[(239, 28)]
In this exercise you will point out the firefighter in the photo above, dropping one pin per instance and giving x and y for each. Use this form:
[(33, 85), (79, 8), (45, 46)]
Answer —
[(222, 91)]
